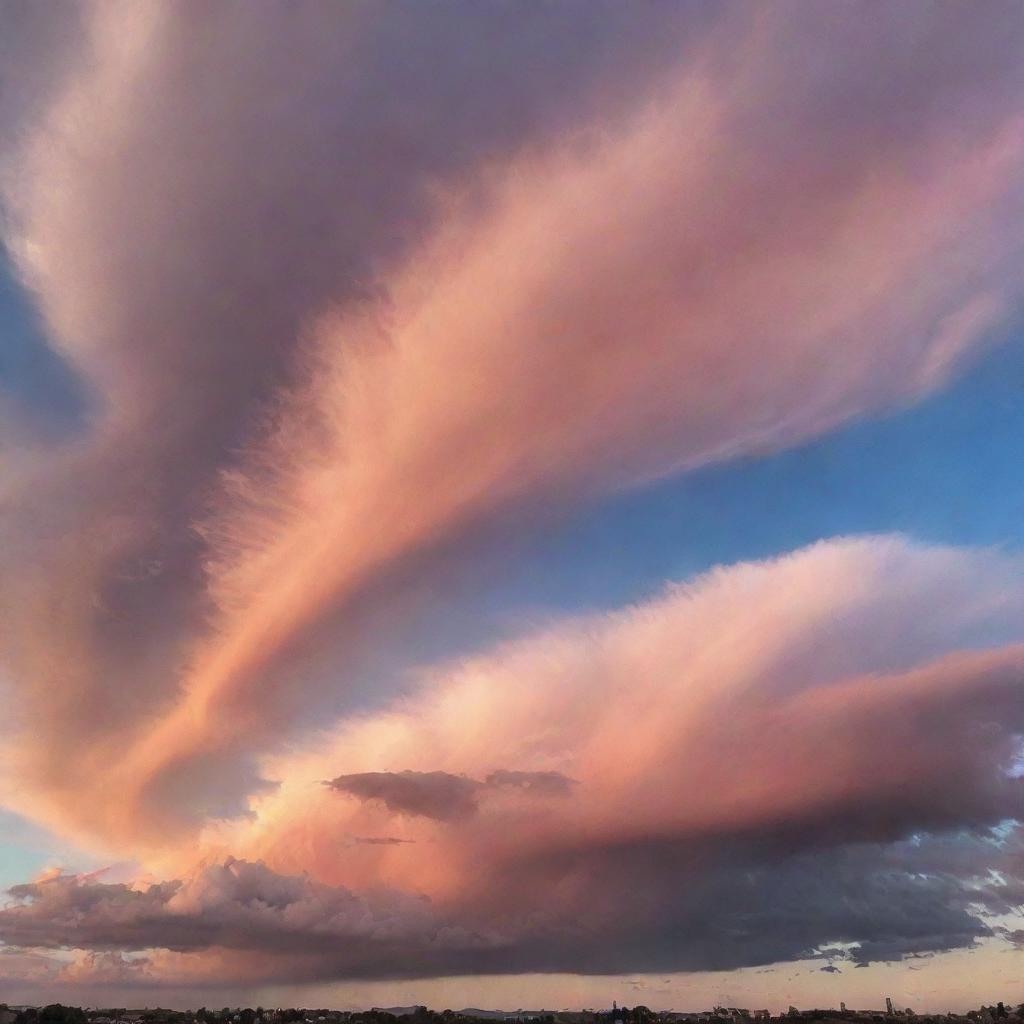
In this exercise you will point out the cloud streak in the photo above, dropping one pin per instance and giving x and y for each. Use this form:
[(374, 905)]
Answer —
[(436, 795), (442, 796)]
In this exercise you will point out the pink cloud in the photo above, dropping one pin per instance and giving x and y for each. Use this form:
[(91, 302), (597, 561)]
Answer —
[(329, 345), (823, 766), (811, 664)]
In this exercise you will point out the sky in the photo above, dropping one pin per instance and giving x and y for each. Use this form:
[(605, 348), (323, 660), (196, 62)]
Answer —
[(511, 505)]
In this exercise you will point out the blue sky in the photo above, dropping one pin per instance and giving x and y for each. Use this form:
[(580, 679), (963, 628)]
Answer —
[(31, 372), (945, 470)]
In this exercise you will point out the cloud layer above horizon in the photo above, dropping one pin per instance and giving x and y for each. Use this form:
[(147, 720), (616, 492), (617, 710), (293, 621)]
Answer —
[(358, 297)]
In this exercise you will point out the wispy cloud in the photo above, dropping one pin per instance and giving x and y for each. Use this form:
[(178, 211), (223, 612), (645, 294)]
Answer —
[(348, 288)]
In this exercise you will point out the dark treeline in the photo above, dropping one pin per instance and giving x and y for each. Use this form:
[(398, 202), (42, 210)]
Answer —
[(56, 1013)]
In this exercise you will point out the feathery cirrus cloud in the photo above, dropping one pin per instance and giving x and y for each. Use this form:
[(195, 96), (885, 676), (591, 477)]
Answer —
[(347, 290), (578, 280)]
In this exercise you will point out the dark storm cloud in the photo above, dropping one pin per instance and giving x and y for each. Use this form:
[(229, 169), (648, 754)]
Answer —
[(236, 905), (435, 795), (443, 796), (688, 908)]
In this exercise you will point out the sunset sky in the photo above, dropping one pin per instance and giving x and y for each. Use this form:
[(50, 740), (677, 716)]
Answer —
[(511, 504)]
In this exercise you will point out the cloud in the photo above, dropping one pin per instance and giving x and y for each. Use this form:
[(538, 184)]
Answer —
[(233, 905), (535, 783), (26, 966), (351, 292), (106, 969), (832, 768), (829, 768), (436, 795), (582, 414), (278, 927), (331, 346), (445, 797), (872, 684), (130, 184)]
